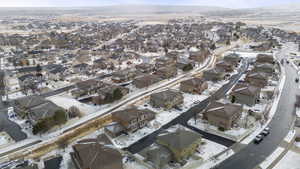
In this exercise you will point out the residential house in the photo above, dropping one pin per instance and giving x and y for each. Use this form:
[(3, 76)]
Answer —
[(35, 108), (223, 116), (233, 59), (94, 154), (223, 66), (200, 55), (144, 67), (166, 72), (264, 58), (263, 47), (29, 166), (114, 129), (81, 68), (157, 155), (182, 142), (3, 83), (57, 73), (258, 79), (133, 119), (100, 64), (145, 81), (194, 86), (106, 94), (166, 99), (88, 87), (123, 76), (181, 63), (245, 93), (164, 61), (265, 68), (213, 75), (29, 80)]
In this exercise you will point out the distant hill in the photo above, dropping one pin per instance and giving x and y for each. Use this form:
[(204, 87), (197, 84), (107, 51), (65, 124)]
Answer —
[(113, 10), (156, 9)]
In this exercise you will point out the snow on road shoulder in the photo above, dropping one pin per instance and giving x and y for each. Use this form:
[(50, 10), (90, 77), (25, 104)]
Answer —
[(290, 136), (290, 161), (269, 160)]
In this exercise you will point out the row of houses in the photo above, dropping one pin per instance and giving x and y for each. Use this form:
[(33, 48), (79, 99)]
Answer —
[(176, 144), (247, 92)]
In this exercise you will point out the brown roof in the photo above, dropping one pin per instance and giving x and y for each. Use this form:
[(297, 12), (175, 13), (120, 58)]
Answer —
[(193, 81), (257, 75), (224, 110), (178, 139), (97, 156), (246, 89), (131, 113)]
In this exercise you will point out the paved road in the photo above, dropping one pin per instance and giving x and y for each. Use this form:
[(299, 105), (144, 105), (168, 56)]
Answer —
[(10, 127), (186, 116), (252, 155)]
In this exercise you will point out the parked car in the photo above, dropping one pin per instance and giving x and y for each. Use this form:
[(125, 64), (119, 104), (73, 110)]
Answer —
[(259, 138), (265, 133), (178, 108), (297, 80)]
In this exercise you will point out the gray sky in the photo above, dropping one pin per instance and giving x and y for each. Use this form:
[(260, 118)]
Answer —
[(75, 3)]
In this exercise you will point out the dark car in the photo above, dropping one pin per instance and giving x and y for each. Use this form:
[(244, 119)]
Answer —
[(297, 80), (259, 138)]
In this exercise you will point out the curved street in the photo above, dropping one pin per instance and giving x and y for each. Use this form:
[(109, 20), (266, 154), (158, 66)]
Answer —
[(254, 154)]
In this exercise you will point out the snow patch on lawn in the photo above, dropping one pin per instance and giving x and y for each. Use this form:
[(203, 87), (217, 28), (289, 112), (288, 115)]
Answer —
[(210, 149), (66, 103)]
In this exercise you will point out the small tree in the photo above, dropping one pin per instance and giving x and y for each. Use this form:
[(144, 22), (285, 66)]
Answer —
[(228, 42), (213, 46), (74, 112), (117, 94), (108, 98), (232, 99), (38, 68), (60, 117), (187, 67), (40, 126)]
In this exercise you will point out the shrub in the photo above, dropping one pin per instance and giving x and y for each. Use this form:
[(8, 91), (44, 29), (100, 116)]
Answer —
[(187, 67), (232, 99), (117, 94), (74, 112), (60, 117)]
